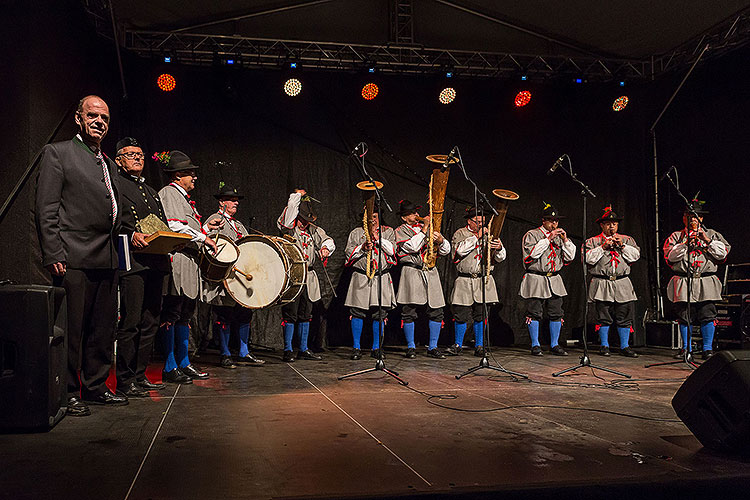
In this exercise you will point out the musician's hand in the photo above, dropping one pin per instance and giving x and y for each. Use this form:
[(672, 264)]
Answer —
[(57, 269), (324, 253), (300, 191), (485, 230), (368, 245), (703, 236), (211, 243), (617, 240), (139, 240), (496, 244), (563, 234), (215, 224), (437, 237), (606, 244), (426, 224)]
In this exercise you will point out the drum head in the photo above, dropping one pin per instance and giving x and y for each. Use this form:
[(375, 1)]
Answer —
[(228, 251), (261, 259)]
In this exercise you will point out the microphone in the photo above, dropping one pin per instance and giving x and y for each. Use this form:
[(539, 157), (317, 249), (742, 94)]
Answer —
[(448, 159), (666, 174), (360, 149), (556, 165)]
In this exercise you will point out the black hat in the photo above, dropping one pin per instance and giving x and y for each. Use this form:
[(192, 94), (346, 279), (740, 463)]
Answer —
[(696, 206), (608, 215), (406, 207), (125, 142), (550, 212), (179, 161), (227, 191), (306, 211), (471, 211)]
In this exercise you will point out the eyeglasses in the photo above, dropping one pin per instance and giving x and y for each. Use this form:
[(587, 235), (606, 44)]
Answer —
[(133, 156)]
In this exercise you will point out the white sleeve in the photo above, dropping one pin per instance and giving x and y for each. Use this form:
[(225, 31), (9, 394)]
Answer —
[(540, 247), (501, 254), (414, 244), (630, 253), (388, 247), (445, 247), (357, 253), (717, 249), (593, 255), (180, 227), (677, 252), (569, 250), (291, 211), (329, 244), (466, 246)]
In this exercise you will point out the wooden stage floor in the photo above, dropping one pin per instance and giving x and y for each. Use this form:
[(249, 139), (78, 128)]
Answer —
[(294, 430)]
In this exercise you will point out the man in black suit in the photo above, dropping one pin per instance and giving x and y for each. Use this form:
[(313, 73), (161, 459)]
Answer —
[(77, 219), (142, 287)]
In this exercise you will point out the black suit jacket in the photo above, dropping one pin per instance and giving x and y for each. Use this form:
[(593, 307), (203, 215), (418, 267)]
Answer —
[(73, 208), (137, 201)]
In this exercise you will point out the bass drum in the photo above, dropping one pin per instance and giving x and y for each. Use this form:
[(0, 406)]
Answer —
[(268, 272)]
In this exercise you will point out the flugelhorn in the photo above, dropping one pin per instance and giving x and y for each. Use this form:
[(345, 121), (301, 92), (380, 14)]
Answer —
[(368, 193)]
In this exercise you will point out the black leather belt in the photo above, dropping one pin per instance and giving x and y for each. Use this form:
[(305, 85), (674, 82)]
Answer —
[(610, 278), (360, 271), (540, 273), (469, 275), (696, 275), (409, 264)]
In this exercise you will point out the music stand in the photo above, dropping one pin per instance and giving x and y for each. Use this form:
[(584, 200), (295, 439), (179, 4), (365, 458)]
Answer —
[(379, 362)]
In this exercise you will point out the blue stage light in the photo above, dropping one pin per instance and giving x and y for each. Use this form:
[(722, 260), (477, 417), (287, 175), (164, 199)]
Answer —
[(579, 80), (167, 59), (293, 65), (622, 84), (523, 77), (230, 61), (371, 70)]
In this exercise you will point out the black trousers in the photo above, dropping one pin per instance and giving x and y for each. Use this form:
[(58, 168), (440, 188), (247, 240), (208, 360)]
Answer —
[(140, 309), (700, 312), (92, 322), (619, 313), (232, 315), (409, 313), (535, 308), (464, 314), (299, 310), (177, 309), (356, 312)]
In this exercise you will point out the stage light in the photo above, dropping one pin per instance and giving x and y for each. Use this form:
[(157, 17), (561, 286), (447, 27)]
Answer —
[(166, 82), (620, 103), (293, 65), (292, 87), (447, 95), (167, 59), (579, 80), (230, 61), (524, 78), (371, 70), (449, 74), (369, 91), (522, 98), (622, 83)]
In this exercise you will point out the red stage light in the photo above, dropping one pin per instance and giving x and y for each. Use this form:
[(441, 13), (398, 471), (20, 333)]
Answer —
[(166, 82), (620, 103), (522, 98), (369, 91)]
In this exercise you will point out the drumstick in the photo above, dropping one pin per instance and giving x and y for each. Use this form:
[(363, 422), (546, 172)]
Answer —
[(248, 276)]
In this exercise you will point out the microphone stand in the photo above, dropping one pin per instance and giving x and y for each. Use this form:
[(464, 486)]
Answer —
[(585, 360), (687, 358), (479, 208), (379, 362)]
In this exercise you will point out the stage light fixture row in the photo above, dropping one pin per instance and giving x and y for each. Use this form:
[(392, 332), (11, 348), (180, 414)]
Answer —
[(166, 82)]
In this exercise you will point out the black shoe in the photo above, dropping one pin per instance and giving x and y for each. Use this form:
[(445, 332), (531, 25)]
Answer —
[(604, 350), (288, 357), (680, 354), (536, 351), (193, 372), (308, 354), (628, 353), (150, 386), (133, 390), (707, 354), (249, 359), (558, 351), (107, 398), (435, 353), (176, 377), (454, 350), (479, 351), (226, 362), (356, 354), (411, 353), (377, 354), (77, 408)]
